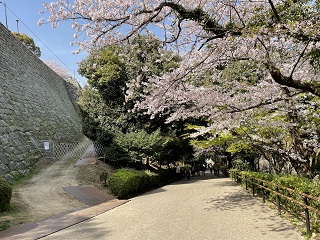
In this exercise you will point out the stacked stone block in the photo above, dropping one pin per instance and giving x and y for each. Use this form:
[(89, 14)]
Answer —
[(34, 104)]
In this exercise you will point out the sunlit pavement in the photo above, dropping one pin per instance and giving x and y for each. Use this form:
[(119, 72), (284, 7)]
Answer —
[(206, 207)]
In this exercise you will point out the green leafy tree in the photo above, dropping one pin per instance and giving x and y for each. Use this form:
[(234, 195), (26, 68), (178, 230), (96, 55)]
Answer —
[(28, 42), (108, 110), (102, 102), (278, 38), (176, 150), (98, 120), (137, 146), (105, 103), (106, 72)]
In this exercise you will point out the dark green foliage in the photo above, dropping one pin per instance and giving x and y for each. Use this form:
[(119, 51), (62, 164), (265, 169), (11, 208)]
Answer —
[(167, 176), (5, 195), (316, 165), (135, 146), (104, 177), (243, 72), (96, 117), (126, 182), (295, 182), (175, 150), (315, 58), (117, 156), (105, 71), (104, 110), (4, 225), (101, 103), (28, 42)]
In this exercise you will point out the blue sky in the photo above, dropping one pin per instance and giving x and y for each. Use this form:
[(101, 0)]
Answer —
[(53, 42)]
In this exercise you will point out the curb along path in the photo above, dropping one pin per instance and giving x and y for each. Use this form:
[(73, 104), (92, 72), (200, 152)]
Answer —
[(203, 208), (48, 226)]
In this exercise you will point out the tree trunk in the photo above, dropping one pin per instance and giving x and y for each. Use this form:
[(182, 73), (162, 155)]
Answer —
[(302, 168)]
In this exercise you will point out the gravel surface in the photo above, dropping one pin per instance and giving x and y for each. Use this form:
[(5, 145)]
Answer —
[(44, 196), (203, 208)]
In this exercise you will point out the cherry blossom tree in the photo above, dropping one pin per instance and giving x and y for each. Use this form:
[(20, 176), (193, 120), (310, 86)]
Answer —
[(61, 71), (240, 59), (73, 87), (282, 36)]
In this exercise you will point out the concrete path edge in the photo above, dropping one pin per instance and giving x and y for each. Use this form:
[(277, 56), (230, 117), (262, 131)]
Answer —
[(46, 227)]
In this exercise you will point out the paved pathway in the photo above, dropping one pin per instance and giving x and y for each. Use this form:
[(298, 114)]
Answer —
[(204, 208)]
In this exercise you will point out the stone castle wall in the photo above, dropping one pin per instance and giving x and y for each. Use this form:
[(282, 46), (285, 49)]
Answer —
[(35, 105)]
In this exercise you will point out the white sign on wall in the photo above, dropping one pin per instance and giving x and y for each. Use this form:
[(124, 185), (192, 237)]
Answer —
[(46, 145)]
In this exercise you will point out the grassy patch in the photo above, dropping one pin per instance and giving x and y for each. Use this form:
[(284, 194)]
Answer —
[(5, 224), (23, 179), (90, 174), (14, 216), (18, 212)]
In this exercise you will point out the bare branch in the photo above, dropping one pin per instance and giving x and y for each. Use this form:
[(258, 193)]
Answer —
[(301, 55), (274, 10)]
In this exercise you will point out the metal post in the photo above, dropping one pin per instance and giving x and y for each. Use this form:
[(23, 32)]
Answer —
[(53, 152), (5, 13), (35, 144), (306, 211), (252, 187), (245, 179), (262, 192), (278, 201), (17, 26)]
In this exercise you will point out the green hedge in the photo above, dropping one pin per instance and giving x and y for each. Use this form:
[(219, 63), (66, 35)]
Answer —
[(126, 182), (5, 195), (295, 182)]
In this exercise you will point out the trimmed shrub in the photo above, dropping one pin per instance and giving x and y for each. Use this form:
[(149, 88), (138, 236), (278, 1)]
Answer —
[(167, 176), (5, 195), (126, 182), (154, 180)]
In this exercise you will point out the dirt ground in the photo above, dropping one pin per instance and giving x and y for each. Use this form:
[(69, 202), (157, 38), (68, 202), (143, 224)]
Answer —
[(43, 195)]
